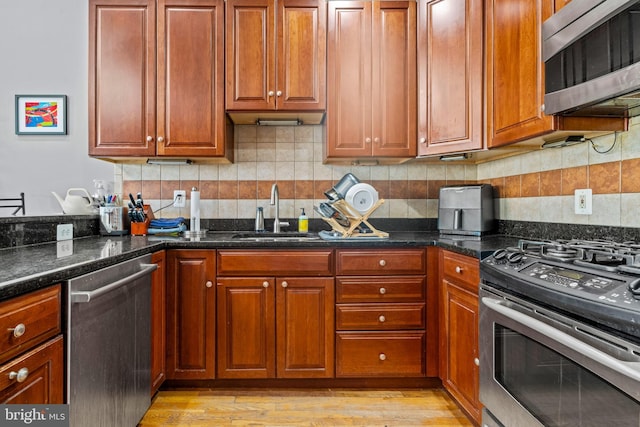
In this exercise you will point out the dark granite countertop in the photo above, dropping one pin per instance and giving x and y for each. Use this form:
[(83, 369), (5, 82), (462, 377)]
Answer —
[(27, 268)]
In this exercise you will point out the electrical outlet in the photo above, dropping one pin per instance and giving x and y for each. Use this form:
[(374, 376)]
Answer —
[(179, 198), (64, 232), (583, 203)]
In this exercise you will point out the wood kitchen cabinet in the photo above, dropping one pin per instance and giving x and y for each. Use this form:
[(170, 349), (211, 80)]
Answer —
[(380, 313), (191, 314), (515, 76), (32, 348), (275, 314), (158, 320), (371, 75), (460, 279), (156, 70), (276, 55), (450, 76)]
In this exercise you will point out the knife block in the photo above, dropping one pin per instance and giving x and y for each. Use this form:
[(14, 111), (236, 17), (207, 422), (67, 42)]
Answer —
[(141, 228)]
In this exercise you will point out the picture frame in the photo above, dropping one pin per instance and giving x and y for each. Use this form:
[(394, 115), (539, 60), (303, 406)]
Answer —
[(41, 114)]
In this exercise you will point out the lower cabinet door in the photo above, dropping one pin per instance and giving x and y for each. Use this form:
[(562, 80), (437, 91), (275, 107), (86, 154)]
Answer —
[(36, 377), (305, 327), (380, 354), (246, 327)]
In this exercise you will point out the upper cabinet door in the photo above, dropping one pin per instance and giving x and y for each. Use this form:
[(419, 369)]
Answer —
[(515, 70), (122, 69), (450, 76), (394, 79), (250, 50), (371, 65), (276, 63), (349, 79), (302, 56), (190, 78)]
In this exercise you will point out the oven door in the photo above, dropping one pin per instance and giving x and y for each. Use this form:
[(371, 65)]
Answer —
[(538, 368)]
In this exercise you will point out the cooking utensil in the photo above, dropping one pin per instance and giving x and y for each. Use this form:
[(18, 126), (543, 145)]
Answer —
[(339, 190)]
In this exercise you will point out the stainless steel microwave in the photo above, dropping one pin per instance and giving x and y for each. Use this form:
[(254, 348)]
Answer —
[(591, 51)]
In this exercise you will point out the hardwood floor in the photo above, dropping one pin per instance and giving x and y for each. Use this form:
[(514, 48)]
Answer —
[(322, 407)]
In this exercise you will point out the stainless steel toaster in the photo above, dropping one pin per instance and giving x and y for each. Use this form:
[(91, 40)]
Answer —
[(466, 209)]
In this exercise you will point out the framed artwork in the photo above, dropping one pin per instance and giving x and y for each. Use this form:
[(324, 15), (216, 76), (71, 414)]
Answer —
[(41, 114)]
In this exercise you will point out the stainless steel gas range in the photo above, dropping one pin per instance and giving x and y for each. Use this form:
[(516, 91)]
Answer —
[(560, 334)]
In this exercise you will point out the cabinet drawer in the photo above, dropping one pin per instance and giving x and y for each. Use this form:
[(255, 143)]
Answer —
[(460, 269), (28, 320), (380, 289), (380, 354), (396, 261), (43, 368), (380, 316), (275, 263)]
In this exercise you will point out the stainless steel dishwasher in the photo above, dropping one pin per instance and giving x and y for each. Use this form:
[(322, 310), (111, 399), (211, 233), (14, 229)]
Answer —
[(109, 345)]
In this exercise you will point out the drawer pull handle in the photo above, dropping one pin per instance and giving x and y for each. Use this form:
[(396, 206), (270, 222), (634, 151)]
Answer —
[(265, 284), (381, 318), (382, 263), (19, 376), (382, 356), (476, 361), (458, 269), (383, 291), (19, 330), (284, 284), (209, 284)]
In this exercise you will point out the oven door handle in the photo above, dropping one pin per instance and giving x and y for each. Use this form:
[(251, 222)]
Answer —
[(628, 369)]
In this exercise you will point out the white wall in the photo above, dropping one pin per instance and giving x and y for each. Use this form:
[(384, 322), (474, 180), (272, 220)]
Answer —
[(43, 50)]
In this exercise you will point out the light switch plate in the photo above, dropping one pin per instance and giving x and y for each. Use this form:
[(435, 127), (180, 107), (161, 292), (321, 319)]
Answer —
[(64, 232), (583, 202)]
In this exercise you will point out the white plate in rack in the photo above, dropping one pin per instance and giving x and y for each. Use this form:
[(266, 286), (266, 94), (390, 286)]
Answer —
[(362, 197)]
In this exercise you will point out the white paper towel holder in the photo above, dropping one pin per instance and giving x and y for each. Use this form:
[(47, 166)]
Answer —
[(195, 231)]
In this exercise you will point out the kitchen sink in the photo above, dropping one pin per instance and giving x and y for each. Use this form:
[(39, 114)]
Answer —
[(275, 237)]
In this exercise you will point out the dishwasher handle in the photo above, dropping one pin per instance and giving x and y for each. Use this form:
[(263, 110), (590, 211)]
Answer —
[(86, 296)]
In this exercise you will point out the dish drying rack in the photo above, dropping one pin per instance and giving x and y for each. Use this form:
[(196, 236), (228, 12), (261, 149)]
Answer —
[(355, 220)]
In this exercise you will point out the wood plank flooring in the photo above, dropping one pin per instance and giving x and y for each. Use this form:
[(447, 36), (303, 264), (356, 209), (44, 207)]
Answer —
[(316, 407)]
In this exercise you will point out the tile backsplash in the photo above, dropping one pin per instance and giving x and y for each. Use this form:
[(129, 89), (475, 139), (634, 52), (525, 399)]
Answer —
[(292, 158), (536, 186)]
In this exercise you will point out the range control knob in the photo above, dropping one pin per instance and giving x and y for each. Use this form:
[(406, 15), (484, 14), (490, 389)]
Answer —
[(634, 288), (514, 257), (500, 254)]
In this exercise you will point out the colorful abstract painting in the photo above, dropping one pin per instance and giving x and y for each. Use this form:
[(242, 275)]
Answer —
[(41, 114)]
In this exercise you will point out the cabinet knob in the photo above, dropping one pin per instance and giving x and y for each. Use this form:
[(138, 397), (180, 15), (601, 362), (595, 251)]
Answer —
[(476, 361), (19, 330), (376, 140), (279, 93), (423, 140), (458, 269), (382, 356), (381, 318), (19, 376), (367, 140), (149, 138), (265, 284), (209, 284), (160, 139), (284, 284), (382, 263), (270, 93), (383, 291)]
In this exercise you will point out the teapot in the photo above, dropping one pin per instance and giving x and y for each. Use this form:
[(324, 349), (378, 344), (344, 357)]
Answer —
[(74, 204)]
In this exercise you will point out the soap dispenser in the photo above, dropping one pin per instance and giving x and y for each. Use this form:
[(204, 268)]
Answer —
[(303, 222)]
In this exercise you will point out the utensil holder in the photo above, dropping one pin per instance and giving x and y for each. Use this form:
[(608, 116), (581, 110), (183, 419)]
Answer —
[(142, 228)]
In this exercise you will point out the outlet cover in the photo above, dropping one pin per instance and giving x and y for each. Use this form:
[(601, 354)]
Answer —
[(64, 232), (583, 202), (179, 198)]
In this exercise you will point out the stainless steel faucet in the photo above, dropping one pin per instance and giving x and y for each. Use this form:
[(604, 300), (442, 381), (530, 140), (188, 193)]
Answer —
[(275, 200)]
